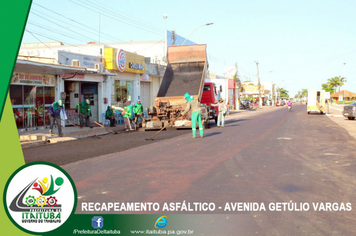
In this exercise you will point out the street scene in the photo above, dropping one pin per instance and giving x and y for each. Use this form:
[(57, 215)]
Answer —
[(247, 127), (262, 156)]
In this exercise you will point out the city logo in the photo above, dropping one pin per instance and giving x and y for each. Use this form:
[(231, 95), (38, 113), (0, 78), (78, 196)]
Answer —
[(39, 197), (161, 222), (97, 222), (121, 60)]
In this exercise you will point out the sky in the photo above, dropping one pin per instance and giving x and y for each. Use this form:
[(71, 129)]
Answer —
[(297, 44)]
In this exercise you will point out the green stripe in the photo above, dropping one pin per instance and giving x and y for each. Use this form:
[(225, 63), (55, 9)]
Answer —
[(13, 17)]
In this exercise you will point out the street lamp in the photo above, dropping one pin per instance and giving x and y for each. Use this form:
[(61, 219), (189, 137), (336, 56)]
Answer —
[(344, 79), (195, 30), (165, 38)]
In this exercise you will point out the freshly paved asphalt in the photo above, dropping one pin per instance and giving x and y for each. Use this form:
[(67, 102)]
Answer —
[(277, 156)]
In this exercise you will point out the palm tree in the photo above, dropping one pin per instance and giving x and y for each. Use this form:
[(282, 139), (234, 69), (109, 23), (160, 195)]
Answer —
[(342, 81), (336, 81), (304, 93)]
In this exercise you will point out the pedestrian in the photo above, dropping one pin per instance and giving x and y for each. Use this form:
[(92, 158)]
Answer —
[(127, 113), (138, 110), (83, 109), (55, 116), (192, 105), (228, 109), (222, 112), (109, 115)]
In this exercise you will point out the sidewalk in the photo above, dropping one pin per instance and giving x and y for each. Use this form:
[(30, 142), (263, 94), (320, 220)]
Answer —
[(335, 114), (42, 136)]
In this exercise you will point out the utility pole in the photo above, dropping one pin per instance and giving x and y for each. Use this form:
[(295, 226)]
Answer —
[(237, 89), (165, 38), (344, 79), (173, 37), (259, 87)]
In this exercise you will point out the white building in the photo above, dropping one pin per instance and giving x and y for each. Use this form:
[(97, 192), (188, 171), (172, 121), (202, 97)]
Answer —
[(128, 82)]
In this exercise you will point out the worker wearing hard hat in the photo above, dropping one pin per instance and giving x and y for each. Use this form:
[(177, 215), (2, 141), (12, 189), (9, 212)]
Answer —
[(84, 112), (192, 105)]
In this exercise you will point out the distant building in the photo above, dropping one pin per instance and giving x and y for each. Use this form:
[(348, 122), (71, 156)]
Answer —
[(339, 96)]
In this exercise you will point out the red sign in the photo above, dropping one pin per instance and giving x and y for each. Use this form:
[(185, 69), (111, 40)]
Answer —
[(121, 60), (145, 77)]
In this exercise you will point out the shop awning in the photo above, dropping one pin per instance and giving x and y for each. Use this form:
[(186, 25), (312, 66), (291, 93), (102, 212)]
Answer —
[(53, 69)]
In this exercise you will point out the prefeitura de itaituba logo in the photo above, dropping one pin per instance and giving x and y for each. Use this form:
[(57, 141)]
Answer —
[(39, 198)]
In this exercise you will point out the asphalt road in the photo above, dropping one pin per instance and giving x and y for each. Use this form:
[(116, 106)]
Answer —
[(264, 157), (275, 157)]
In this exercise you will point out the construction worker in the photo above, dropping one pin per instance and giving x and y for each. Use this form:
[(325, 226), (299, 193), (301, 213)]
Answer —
[(138, 110), (109, 114), (55, 112), (192, 105), (128, 112), (222, 112), (83, 110)]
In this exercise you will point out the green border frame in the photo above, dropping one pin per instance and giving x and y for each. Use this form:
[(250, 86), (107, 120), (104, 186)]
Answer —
[(39, 163)]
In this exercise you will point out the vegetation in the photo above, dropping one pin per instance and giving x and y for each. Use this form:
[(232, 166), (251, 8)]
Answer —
[(301, 94), (333, 83), (283, 93)]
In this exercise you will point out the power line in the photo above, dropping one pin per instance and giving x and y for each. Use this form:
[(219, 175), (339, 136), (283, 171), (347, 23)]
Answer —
[(121, 15), (67, 44), (65, 17), (150, 31), (63, 26)]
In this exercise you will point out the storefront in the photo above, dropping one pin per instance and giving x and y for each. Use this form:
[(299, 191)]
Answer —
[(35, 86), (31, 95), (126, 85), (80, 87)]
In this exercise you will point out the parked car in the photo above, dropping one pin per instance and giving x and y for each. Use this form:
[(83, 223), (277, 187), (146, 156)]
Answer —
[(349, 111)]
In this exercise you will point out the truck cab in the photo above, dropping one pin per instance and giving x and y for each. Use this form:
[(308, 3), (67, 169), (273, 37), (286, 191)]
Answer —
[(208, 96)]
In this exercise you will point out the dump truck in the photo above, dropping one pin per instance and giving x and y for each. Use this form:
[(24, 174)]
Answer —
[(185, 73), (316, 101)]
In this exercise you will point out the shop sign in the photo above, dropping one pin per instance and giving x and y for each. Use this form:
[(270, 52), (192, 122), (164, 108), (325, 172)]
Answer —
[(145, 77), (72, 76), (35, 79), (135, 66), (121, 60)]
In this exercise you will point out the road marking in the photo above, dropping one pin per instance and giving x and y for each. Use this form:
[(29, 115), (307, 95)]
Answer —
[(336, 108), (285, 138), (334, 115), (331, 154)]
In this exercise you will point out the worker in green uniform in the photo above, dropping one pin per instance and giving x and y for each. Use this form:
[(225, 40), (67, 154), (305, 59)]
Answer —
[(83, 110), (128, 111), (192, 105), (109, 115), (138, 110)]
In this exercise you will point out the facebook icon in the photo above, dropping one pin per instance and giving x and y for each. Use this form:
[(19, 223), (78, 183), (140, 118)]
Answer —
[(97, 222)]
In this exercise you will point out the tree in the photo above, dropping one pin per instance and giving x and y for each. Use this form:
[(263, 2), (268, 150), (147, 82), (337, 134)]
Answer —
[(283, 93), (304, 93), (336, 81), (298, 95), (328, 88)]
